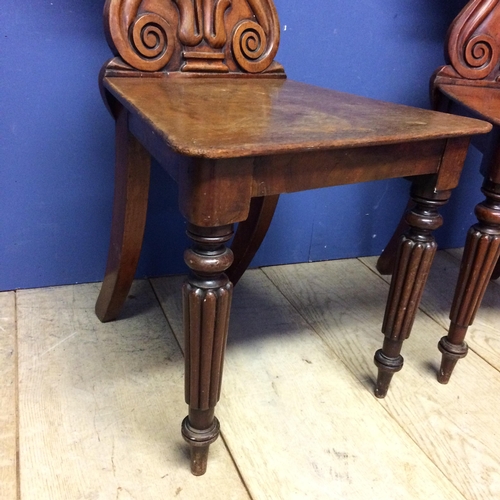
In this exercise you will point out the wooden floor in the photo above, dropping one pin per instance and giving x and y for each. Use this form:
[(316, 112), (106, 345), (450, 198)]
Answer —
[(93, 411)]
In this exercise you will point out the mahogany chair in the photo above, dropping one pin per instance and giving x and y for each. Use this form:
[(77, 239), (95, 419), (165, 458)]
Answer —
[(194, 84), (471, 80)]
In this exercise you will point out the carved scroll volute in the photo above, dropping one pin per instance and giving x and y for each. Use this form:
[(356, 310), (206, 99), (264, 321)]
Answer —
[(255, 43), (193, 36), (473, 40), (144, 40)]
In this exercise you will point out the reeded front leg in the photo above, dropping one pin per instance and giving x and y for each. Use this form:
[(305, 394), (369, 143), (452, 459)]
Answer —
[(206, 301), (481, 253), (416, 251)]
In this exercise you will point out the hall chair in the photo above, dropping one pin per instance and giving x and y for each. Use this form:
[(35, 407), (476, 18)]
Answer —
[(194, 84), (469, 84)]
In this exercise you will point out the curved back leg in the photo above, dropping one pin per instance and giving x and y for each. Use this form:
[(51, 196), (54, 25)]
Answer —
[(250, 234), (132, 173), (387, 259)]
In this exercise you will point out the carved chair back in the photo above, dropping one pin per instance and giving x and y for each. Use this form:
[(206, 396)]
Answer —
[(473, 44), (188, 37)]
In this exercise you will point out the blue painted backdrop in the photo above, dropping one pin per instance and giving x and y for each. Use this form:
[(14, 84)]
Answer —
[(56, 138)]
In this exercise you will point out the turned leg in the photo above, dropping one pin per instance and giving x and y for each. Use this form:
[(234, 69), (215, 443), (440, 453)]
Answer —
[(250, 234), (481, 253), (206, 302), (416, 251), (129, 218)]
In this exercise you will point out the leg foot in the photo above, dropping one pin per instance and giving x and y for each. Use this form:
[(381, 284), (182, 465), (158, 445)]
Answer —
[(388, 361), (199, 441), (451, 354), (199, 459)]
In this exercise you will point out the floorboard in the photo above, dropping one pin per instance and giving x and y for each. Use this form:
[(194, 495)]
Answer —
[(297, 422), (8, 416), (100, 405), (455, 425)]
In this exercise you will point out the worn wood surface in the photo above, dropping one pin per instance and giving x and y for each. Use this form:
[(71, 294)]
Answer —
[(100, 403), (298, 424), (288, 116), (483, 101), (8, 397)]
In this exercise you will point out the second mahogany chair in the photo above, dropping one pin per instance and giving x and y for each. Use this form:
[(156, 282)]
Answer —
[(194, 84), (471, 80)]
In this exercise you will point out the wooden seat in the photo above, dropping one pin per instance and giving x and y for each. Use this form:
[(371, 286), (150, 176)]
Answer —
[(471, 80), (195, 84)]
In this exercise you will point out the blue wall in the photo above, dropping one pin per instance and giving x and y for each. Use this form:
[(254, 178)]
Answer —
[(56, 138)]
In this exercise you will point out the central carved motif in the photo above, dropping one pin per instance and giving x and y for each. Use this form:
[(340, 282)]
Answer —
[(216, 36), (202, 20)]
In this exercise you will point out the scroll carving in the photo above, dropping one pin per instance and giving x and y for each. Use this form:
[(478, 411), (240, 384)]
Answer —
[(144, 40), (193, 36), (252, 41), (473, 46)]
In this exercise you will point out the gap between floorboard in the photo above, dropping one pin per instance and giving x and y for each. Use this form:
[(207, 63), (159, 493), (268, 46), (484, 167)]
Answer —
[(8, 396)]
